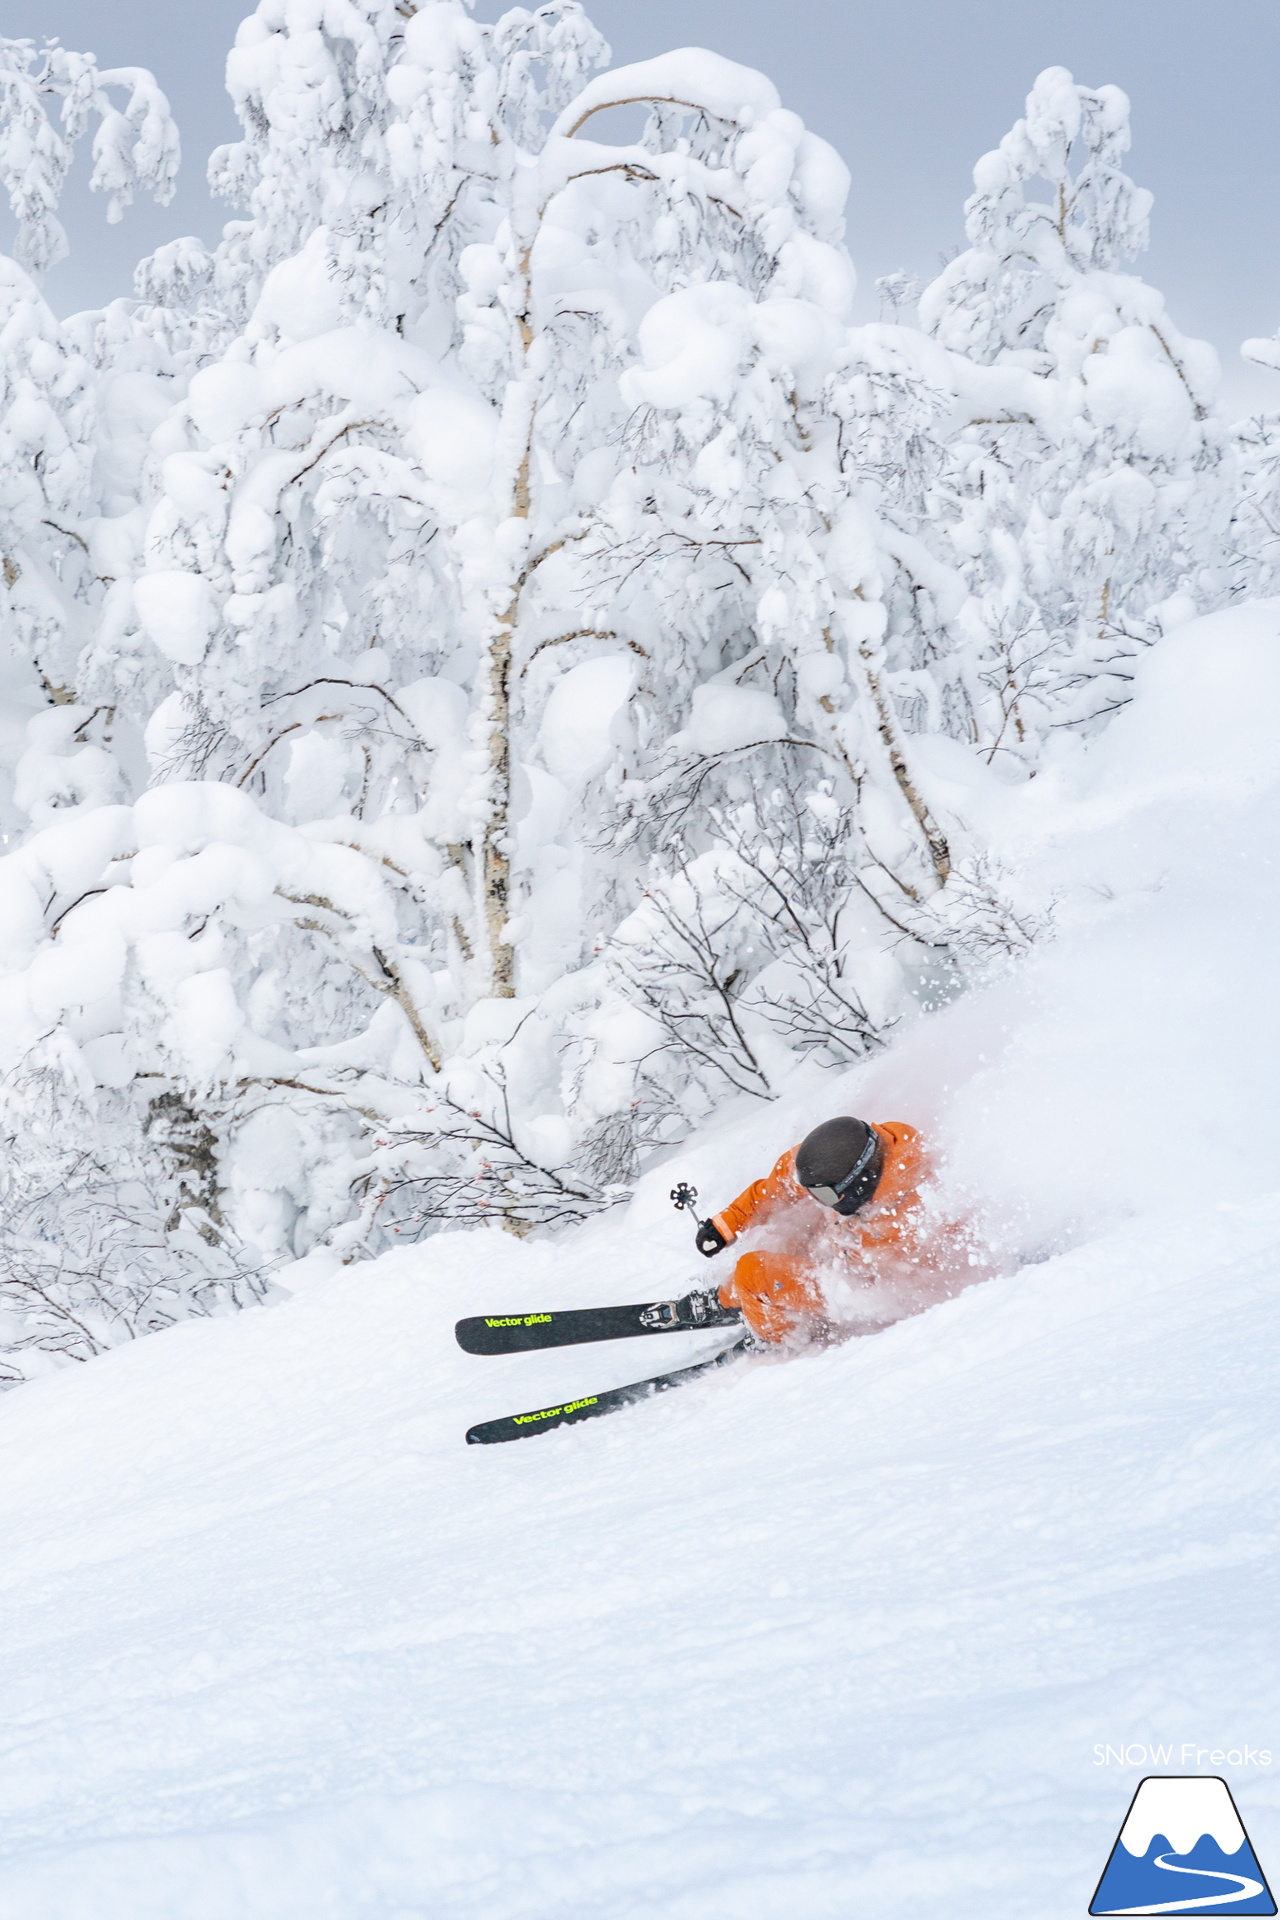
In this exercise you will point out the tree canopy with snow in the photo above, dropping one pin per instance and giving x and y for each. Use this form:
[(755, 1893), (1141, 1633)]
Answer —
[(496, 661)]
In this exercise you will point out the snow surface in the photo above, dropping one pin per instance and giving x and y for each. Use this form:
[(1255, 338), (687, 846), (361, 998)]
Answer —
[(828, 1634)]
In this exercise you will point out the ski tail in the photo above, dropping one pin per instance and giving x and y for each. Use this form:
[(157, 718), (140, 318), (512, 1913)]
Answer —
[(517, 1426), (525, 1332)]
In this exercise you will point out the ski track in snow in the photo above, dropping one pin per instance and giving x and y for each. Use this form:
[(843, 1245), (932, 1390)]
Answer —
[(840, 1628)]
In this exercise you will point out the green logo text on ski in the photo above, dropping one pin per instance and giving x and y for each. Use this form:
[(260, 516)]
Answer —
[(551, 1413)]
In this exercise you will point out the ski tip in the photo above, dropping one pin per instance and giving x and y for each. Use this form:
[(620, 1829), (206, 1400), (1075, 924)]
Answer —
[(502, 1333)]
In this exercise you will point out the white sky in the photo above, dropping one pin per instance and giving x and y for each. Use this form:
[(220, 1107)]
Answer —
[(910, 91)]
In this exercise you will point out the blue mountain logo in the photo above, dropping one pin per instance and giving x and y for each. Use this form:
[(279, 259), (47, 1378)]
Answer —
[(1183, 1850)]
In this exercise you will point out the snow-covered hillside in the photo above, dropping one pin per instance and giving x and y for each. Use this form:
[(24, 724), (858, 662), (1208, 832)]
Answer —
[(822, 1635), (833, 1632)]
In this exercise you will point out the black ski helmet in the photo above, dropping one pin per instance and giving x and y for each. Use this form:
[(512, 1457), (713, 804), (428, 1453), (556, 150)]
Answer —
[(840, 1163)]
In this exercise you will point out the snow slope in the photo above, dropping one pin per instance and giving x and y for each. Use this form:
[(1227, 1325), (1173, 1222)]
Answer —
[(818, 1636)]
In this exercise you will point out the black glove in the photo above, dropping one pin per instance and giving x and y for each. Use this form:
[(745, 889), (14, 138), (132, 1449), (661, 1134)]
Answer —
[(709, 1239)]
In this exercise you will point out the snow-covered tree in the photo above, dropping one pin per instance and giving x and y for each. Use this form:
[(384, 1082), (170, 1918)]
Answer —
[(1089, 484), (1256, 529), (48, 396)]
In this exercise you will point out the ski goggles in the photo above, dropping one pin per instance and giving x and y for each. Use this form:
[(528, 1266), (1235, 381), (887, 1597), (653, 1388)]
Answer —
[(858, 1184)]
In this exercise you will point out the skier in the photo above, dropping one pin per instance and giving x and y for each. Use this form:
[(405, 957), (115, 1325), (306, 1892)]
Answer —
[(850, 1201), (848, 1197)]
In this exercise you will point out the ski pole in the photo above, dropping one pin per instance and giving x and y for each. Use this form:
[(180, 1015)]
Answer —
[(683, 1195)]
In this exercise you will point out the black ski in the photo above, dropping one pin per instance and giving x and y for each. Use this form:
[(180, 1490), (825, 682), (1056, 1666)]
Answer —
[(522, 1332), (516, 1426)]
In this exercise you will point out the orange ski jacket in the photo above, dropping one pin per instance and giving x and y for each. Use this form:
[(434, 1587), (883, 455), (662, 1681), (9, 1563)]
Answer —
[(889, 1223)]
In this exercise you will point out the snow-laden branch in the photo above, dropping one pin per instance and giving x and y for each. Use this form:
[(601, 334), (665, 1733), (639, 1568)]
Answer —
[(135, 148)]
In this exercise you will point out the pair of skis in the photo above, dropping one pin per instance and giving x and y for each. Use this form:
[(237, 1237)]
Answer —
[(528, 1332)]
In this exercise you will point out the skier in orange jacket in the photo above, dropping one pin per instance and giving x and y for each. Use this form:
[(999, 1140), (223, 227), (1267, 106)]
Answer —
[(847, 1198)]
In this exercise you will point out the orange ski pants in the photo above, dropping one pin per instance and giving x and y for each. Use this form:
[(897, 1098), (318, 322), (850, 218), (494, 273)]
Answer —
[(774, 1291)]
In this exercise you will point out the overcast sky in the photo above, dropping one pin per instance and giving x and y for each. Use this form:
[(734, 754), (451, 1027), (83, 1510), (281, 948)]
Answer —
[(909, 91)]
